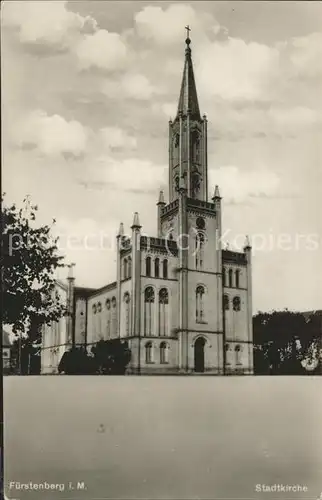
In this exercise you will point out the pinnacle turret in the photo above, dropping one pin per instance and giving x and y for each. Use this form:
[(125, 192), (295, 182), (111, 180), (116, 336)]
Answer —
[(136, 221)]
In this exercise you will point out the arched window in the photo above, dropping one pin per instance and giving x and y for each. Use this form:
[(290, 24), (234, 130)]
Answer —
[(238, 355), (94, 308), (108, 319), (236, 303), (157, 268), (113, 301), (164, 349), (148, 352), (148, 266), (99, 320), (165, 268), (129, 267), (237, 274), (176, 183), (199, 250), (200, 312), (124, 269), (224, 277), (230, 275), (148, 310), (226, 349), (163, 312), (127, 304), (195, 141), (226, 303)]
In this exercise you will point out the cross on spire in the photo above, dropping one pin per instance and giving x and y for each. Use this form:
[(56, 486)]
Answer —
[(188, 30)]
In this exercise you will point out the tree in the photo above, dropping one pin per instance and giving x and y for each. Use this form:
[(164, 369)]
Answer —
[(76, 361), (283, 340), (108, 357), (29, 259), (112, 356)]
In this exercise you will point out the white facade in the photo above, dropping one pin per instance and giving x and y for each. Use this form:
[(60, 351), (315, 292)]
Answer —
[(183, 303)]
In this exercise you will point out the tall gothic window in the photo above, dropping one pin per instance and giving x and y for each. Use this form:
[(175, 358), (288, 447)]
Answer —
[(163, 311), (236, 303), (148, 266), (238, 355), (165, 268), (175, 150), (164, 353), (127, 304), (157, 268), (195, 147), (94, 320), (226, 302), (148, 352), (99, 320), (124, 269), (199, 250), (200, 299), (230, 277), (196, 182), (237, 275), (226, 349), (129, 267), (108, 318), (113, 316), (224, 277), (176, 183), (148, 310)]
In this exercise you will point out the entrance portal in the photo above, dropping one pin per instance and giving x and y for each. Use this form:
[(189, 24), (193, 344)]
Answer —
[(200, 355)]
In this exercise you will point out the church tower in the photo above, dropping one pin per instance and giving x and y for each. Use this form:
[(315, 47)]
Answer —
[(195, 224), (188, 139)]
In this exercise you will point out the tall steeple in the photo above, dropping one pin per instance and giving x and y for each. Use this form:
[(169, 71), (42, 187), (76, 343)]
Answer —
[(188, 99), (188, 139)]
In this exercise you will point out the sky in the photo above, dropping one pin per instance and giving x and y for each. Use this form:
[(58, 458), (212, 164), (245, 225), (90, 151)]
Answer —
[(88, 89)]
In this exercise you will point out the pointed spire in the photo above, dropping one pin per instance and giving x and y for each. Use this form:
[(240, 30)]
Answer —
[(70, 271), (161, 198), (136, 221), (188, 100), (247, 244), (121, 230), (216, 195)]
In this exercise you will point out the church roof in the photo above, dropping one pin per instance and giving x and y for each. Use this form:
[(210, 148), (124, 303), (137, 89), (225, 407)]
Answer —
[(188, 99)]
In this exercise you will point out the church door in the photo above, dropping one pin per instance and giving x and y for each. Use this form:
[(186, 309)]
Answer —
[(200, 355)]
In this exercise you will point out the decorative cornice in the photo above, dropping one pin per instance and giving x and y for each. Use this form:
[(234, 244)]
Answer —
[(161, 245)]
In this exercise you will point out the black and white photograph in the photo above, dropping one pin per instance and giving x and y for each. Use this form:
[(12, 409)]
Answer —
[(161, 250)]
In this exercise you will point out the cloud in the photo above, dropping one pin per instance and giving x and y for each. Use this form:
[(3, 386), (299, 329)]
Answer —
[(235, 69), (294, 117), (238, 186), (103, 50), (116, 138), (130, 174), (131, 85), (162, 26), (306, 55), (168, 109), (51, 135), (45, 22)]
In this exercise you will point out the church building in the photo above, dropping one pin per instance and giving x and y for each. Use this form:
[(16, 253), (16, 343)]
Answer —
[(183, 303)]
